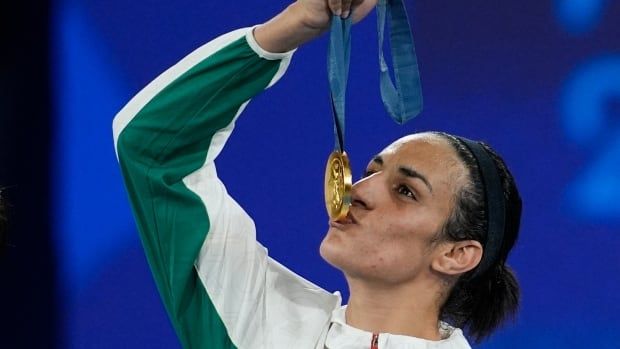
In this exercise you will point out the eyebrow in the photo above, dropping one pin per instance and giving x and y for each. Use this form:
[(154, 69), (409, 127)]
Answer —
[(407, 172)]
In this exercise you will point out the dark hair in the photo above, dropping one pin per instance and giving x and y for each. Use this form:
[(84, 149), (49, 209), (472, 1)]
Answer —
[(3, 226), (481, 301)]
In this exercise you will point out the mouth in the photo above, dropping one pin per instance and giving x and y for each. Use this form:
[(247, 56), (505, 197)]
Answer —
[(349, 219)]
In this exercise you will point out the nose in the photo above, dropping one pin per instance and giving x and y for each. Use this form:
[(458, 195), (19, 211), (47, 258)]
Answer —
[(363, 192)]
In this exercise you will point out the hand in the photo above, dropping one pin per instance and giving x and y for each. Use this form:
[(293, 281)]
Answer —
[(305, 20), (317, 14)]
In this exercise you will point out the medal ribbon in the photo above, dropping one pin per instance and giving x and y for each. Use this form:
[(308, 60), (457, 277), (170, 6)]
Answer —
[(402, 101), (338, 56)]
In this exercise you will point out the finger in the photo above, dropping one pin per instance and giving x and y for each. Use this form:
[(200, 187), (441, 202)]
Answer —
[(335, 6), (346, 8), (362, 8), (354, 5)]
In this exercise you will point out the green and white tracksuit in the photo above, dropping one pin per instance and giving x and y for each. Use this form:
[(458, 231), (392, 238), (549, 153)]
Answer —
[(219, 286)]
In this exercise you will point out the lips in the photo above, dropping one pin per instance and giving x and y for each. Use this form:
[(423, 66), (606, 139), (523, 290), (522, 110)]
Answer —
[(347, 220)]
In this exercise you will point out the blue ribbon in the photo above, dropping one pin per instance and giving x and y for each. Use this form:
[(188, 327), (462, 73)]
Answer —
[(338, 55), (403, 101)]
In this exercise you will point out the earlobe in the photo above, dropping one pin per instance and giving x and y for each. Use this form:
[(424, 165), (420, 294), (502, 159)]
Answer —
[(458, 257)]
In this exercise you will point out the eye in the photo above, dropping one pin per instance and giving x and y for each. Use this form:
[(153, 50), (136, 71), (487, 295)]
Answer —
[(404, 190)]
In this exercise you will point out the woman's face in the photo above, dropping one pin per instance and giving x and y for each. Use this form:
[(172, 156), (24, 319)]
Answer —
[(397, 210)]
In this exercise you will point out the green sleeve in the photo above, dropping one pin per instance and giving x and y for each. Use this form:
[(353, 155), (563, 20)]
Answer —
[(164, 134)]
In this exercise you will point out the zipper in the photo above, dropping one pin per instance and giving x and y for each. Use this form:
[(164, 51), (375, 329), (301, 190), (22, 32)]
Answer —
[(374, 342)]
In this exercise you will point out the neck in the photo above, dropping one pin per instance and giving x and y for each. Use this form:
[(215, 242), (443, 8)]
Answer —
[(408, 309)]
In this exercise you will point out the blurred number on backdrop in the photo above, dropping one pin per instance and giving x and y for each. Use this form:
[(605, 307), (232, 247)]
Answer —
[(589, 101)]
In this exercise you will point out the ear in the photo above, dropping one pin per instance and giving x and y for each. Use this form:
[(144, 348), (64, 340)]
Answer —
[(457, 257)]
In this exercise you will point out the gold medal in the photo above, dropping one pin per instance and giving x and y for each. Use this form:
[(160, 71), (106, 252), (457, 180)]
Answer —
[(338, 183)]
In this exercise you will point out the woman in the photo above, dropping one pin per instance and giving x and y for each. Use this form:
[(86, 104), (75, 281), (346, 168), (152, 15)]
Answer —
[(423, 248)]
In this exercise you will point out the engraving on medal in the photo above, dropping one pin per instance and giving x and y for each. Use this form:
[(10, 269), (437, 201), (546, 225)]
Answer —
[(336, 181), (338, 185)]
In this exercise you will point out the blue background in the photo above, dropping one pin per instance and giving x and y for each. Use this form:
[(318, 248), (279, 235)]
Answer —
[(538, 80)]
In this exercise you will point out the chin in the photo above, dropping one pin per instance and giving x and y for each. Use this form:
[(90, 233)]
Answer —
[(331, 249)]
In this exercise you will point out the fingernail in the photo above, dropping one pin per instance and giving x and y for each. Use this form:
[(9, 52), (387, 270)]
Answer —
[(338, 12), (345, 15)]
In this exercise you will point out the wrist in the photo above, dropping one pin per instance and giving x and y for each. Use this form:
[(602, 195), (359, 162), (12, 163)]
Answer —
[(288, 30), (307, 19)]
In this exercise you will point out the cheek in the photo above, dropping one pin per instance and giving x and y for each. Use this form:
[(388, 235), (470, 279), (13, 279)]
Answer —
[(397, 250), (394, 262), (400, 248)]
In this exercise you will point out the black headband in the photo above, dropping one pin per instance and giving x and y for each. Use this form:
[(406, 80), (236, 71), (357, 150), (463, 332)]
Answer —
[(495, 204)]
